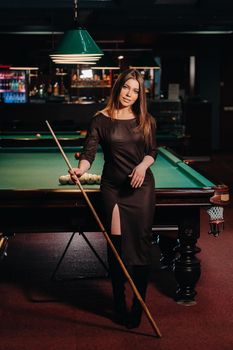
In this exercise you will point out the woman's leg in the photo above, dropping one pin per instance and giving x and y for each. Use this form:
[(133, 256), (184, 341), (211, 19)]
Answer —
[(140, 275), (116, 273)]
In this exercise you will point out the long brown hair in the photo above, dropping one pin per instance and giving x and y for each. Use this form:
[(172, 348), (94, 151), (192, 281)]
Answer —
[(139, 108)]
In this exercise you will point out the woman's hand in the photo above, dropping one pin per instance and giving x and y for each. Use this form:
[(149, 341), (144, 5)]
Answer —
[(74, 173), (139, 172), (138, 175), (82, 168)]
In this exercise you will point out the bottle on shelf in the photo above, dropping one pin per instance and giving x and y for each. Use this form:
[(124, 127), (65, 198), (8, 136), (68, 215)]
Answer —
[(56, 89)]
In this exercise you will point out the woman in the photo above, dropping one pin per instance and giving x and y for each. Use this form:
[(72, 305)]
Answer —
[(126, 133)]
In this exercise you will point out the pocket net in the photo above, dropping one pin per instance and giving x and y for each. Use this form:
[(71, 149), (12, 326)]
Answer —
[(216, 220)]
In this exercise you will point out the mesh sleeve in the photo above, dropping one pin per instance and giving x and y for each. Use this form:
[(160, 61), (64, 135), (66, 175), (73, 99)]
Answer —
[(91, 142)]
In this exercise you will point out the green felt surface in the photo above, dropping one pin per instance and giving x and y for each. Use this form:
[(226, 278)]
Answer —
[(40, 168), (7, 135)]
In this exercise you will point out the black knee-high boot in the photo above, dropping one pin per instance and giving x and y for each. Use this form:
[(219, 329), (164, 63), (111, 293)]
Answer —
[(118, 282), (140, 275)]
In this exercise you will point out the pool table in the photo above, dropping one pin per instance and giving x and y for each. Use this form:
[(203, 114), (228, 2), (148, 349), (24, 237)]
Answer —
[(39, 138), (33, 200)]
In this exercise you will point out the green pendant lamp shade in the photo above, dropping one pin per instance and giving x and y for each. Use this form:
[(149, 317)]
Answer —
[(77, 47), (78, 41)]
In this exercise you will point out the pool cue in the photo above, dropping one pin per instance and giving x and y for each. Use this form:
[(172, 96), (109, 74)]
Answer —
[(127, 275)]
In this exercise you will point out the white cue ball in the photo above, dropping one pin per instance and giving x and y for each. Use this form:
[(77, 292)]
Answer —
[(38, 136)]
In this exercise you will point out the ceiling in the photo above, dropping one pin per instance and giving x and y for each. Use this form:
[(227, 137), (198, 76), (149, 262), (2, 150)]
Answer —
[(117, 15), (33, 28)]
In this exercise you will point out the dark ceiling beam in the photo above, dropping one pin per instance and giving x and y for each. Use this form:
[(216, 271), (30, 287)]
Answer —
[(121, 15), (32, 4)]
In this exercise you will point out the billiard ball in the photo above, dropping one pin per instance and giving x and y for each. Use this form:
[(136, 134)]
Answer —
[(95, 178), (70, 181), (82, 179), (64, 179), (90, 179), (38, 136), (77, 155)]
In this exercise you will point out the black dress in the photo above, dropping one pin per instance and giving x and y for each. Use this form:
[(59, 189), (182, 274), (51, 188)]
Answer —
[(124, 148)]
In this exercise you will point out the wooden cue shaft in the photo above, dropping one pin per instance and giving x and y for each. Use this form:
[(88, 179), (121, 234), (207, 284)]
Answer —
[(132, 284)]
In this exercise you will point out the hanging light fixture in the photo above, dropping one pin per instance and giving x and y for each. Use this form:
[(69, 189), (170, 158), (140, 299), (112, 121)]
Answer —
[(77, 46), (75, 61)]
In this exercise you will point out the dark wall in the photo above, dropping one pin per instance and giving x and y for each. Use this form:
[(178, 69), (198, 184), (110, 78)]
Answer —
[(33, 116), (214, 82)]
